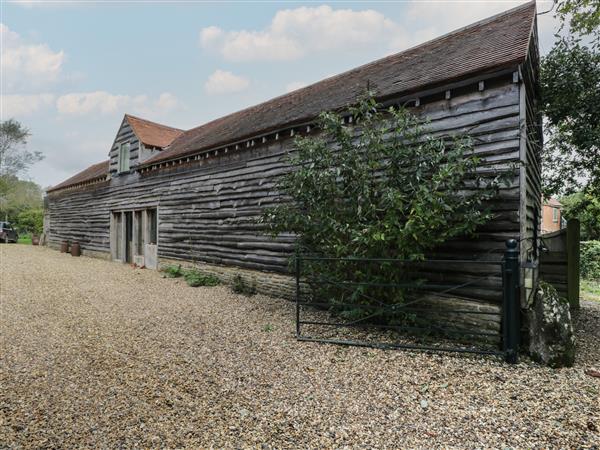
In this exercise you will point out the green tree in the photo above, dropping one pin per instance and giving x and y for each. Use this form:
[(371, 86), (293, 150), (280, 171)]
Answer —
[(30, 220), (15, 159), (381, 188), (14, 156), (570, 80), (585, 207), (581, 16), (18, 195)]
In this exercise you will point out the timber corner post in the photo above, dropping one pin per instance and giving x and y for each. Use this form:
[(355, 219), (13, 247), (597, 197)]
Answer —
[(573, 248), (511, 308)]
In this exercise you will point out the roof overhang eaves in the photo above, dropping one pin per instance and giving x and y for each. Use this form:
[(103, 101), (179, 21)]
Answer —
[(387, 100), (91, 181)]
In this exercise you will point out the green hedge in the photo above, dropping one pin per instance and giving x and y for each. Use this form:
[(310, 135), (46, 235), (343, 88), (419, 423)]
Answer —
[(30, 221), (590, 260)]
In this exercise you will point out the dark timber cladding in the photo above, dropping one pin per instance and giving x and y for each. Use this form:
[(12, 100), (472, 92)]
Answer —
[(210, 184)]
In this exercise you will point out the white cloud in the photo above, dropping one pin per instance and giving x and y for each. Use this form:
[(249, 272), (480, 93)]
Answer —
[(27, 64), (210, 36), (103, 102), (9, 38), (24, 105), (224, 82), (444, 16), (67, 153), (167, 102), (447, 15), (87, 102), (294, 33), (295, 85)]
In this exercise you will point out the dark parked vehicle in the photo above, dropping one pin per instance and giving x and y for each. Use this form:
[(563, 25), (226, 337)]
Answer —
[(8, 233)]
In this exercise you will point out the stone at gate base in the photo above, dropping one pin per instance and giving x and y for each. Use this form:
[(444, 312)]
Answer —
[(551, 339)]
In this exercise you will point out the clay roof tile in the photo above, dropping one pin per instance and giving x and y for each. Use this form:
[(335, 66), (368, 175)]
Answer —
[(152, 134), (501, 41), (93, 172)]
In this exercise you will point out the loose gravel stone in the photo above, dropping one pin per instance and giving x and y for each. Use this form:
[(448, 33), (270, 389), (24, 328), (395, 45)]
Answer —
[(98, 354)]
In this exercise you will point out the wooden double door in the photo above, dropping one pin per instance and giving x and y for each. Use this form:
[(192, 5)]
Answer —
[(134, 236)]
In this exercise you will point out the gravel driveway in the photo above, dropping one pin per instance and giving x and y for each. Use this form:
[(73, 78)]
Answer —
[(97, 354)]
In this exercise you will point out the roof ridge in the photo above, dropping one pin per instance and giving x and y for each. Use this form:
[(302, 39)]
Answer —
[(375, 62), (73, 180), (131, 116), (493, 43), (484, 21)]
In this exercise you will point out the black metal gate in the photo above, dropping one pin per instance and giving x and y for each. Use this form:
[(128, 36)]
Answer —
[(416, 322)]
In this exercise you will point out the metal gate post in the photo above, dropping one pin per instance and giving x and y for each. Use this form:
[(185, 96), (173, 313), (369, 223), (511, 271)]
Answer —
[(510, 302)]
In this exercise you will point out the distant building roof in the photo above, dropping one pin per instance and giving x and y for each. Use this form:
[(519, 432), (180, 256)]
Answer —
[(94, 172), (552, 202), (498, 42), (152, 134)]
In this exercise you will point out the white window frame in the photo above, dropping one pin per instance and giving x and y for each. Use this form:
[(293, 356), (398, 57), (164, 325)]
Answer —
[(123, 164), (555, 215)]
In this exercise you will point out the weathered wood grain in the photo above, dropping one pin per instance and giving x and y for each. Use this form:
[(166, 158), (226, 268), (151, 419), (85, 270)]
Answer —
[(207, 208)]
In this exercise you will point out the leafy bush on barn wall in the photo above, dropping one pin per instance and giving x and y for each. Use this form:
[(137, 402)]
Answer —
[(379, 188)]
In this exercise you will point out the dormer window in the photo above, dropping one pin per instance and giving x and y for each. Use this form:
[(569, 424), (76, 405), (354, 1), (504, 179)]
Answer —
[(138, 140), (124, 157)]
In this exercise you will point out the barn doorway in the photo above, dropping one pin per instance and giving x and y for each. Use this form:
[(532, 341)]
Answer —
[(134, 237), (129, 237), (117, 237)]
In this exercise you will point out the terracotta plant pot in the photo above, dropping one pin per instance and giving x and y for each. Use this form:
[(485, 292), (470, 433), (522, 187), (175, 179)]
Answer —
[(64, 247), (75, 249), (35, 239)]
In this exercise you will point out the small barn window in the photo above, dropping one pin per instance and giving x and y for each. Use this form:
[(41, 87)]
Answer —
[(124, 157)]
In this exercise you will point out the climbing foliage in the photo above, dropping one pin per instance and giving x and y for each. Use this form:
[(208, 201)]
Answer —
[(384, 186)]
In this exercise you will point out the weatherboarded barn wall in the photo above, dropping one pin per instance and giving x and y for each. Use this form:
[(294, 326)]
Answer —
[(207, 209), (531, 147)]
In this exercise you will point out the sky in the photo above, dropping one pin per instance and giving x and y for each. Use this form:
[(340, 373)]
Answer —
[(71, 69)]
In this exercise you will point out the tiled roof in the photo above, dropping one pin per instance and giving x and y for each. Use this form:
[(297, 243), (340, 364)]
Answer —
[(492, 44), (152, 134), (552, 202), (91, 173)]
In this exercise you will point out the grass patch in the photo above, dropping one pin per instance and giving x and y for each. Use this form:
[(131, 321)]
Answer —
[(193, 277), (173, 271), (241, 287), (590, 290), (196, 278), (24, 239)]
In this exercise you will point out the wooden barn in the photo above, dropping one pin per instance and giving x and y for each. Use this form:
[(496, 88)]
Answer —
[(166, 194)]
